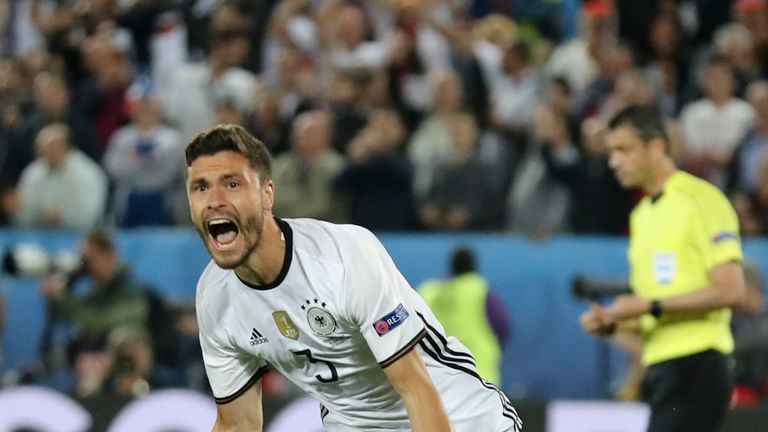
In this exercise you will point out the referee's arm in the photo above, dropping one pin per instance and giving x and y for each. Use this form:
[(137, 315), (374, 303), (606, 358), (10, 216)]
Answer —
[(727, 289)]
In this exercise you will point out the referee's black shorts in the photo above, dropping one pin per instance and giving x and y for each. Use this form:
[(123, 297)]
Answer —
[(689, 393)]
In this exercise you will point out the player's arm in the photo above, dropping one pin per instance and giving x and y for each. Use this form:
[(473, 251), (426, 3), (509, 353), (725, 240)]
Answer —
[(726, 289), (242, 413), (410, 378)]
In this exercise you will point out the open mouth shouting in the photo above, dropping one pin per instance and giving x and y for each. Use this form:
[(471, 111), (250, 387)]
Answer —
[(223, 232)]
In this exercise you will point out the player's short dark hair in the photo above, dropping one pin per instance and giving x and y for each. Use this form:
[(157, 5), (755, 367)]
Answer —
[(645, 120), (234, 138), (462, 261)]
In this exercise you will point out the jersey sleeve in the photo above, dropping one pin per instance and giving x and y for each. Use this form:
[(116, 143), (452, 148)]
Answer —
[(230, 371), (718, 233), (379, 299)]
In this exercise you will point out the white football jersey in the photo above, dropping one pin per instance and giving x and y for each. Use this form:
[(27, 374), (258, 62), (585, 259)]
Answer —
[(337, 314)]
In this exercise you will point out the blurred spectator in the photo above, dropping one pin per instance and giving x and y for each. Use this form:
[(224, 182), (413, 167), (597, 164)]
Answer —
[(15, 103), (430, 145), (630, 88), (713, 126), (145, 162), (483, 325), (62, 188), (538, 205), (599, 203), (601, 92), (577, 60), (667, 71), (417, 51), (52, 104), (514, 92), (294, 80), (130, 363), (227, 112), (266, 122), (744, 167), (345, 32), (344, 95), (750, 332), (752, 208), (735, 42), (305, 175), (747, 209), (114, 299), (377, 180), (753, 14), (191, 97), (634, 18), (462, 195), (102, 94)]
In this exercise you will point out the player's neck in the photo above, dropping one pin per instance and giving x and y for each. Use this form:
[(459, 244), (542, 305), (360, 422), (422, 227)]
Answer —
[(264, 264)]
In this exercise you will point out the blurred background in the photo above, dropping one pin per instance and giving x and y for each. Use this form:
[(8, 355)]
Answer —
[(441, 125)]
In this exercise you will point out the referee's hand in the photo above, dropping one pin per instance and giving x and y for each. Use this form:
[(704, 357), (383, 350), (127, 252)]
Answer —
[(594, 322)]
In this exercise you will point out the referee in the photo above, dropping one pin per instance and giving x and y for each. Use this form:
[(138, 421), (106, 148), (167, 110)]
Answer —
[(685, 258)]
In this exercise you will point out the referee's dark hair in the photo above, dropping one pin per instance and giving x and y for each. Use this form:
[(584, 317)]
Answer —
[(645, 120), (234, 138), (462, 261)]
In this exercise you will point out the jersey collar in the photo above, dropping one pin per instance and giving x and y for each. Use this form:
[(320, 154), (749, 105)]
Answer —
[(288, 236)]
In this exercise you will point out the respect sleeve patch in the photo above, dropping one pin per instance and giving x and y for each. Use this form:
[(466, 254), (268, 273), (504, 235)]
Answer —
[(723, 236), (391, 320)]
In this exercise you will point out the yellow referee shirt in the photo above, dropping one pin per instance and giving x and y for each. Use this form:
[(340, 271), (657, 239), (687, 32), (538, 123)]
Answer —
[(675, 240)]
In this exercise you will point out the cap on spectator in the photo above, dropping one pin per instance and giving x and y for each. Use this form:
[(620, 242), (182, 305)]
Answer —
[(598, 8), (749, 5)]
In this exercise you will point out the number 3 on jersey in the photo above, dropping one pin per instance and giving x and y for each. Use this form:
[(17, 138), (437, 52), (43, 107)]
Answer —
[(334, 375)]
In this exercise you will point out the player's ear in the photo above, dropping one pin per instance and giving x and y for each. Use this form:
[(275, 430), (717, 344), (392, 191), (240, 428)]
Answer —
[(268, 195)]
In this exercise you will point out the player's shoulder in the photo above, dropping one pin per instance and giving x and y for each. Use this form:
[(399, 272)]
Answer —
[(323, 237)]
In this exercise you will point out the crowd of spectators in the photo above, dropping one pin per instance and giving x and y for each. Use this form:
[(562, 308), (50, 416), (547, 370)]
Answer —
[(400, 115), (392, 114)]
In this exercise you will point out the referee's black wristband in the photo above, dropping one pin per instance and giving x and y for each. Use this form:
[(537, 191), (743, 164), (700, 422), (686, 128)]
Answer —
[(656, 309)]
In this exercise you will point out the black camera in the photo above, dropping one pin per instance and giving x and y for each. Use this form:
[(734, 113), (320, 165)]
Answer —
[(595, 289)]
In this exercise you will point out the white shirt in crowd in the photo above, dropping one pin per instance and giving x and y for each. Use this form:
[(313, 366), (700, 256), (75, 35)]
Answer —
[(708, 128), (77, 189), (190, 101)]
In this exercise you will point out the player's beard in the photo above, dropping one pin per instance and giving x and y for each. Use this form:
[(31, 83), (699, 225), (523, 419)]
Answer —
[(250, 233)]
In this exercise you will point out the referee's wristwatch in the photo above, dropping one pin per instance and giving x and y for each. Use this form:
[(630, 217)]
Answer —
[(656, 309)]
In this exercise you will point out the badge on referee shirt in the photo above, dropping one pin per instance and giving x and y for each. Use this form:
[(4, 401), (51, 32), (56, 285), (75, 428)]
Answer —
[(665, 267)]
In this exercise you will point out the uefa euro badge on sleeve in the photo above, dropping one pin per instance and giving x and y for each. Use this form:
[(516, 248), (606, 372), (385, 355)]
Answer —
[(285, 325), (391, 320), (320, 320), (665, 267)]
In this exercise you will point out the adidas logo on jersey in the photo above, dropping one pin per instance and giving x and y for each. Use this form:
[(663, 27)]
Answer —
[(257, 338)]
